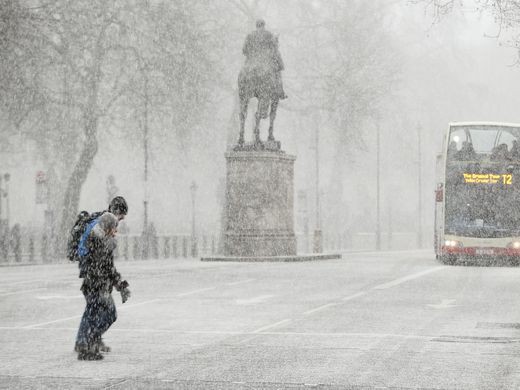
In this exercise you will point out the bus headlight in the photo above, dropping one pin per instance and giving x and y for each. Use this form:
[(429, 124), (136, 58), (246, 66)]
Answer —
[(452, 243), (514, 245)]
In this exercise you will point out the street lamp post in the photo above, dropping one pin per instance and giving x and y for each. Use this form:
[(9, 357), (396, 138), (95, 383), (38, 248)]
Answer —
[(146, 142), (146, 238), (4, 222), (390, 226), (1, 192), (193, 191), (318, 243), (378, 187), (145, 201), (419, 189), (4, 193)]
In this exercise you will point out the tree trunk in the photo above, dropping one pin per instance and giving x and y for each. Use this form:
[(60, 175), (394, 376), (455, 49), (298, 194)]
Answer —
[(76, 181)]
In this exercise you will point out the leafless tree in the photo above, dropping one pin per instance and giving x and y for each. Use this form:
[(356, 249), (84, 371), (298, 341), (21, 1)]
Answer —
[(86, 61)]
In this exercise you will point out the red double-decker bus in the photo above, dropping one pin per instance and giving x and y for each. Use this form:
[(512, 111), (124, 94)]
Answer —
[(477, 200)]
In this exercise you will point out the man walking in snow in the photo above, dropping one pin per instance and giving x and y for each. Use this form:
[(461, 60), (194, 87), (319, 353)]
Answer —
[(99, 278), (119, 208)]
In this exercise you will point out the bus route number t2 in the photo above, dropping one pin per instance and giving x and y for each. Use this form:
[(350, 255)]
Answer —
[(507, 179)]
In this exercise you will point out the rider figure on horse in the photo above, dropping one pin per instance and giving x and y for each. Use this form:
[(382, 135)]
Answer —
[(261, 51), (260, 78)]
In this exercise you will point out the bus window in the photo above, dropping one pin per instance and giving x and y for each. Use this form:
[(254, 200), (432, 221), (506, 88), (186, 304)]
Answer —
[(474, 143), (483, 140), (505, 137), (457, 137)]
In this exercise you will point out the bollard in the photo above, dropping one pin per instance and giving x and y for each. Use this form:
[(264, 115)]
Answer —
[(166, 251), (317, 242), (16, 242), (155, 246), (31, 249), (135, 248), (194, 247), (174, 247), (204, 245), (145, 246), (44, 248), (184, 247), (3, 243)]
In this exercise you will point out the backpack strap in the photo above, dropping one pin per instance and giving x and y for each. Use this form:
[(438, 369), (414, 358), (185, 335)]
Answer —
[(82, 246)]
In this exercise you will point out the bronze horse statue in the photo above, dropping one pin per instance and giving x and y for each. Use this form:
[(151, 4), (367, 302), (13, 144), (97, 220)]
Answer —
[(260, 79)]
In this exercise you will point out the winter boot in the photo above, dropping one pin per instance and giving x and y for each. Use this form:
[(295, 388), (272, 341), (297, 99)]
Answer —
[(80, 347), (91, 353)]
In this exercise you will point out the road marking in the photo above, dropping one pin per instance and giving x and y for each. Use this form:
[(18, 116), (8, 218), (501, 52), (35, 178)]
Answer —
[(45, 297), (22, 282), (256, 333), (139, 303), (445, 304), (271, 326), (359, 294), (79, 316), (404, 279), (118, 383), (119, 307), (51, 322), (61, 280), (319, 308), (393, 283), (252, 301), (23, 292), (138, 330), (239, 282), (195, 291), (345, 334)]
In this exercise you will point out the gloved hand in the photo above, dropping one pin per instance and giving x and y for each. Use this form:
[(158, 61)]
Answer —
[(125, 294), (121, 285)]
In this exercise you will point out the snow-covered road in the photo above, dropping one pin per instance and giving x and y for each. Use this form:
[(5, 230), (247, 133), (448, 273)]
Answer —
[(373, 320)]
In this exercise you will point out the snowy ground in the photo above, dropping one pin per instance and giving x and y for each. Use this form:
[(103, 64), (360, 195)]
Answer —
[(370, 320)]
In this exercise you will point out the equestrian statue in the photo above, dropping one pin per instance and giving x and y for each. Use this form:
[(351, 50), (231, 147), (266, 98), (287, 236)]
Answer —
[(261, 78)]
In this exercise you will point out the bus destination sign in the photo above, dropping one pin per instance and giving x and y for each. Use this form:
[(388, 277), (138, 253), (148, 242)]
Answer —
[(488, 178)]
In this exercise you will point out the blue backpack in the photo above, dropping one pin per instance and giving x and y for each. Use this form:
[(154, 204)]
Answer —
[(82, 250), (82, 246)]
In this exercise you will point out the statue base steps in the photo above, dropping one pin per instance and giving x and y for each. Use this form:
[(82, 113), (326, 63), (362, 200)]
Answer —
[(254, 259)]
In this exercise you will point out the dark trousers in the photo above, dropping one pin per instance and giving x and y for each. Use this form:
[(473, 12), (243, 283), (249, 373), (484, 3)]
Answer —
[(100, 312)]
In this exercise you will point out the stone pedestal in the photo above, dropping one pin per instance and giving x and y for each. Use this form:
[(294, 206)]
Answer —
[(259, 204)]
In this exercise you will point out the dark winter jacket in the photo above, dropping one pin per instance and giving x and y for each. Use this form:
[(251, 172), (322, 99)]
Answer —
[(100, 273)]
